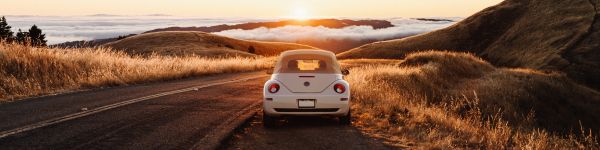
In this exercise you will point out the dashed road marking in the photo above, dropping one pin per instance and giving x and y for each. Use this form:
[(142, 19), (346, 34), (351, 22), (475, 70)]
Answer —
[(88, 112)]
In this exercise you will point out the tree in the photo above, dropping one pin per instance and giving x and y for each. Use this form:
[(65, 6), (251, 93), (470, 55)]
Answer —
[(5, 32), (36, 37), (22, 37), (251, 49)]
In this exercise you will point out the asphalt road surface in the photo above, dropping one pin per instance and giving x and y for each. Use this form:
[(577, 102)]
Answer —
[(183, 114), (301, 133)]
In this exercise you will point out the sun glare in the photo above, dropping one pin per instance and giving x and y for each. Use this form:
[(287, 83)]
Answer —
[(300, 14)]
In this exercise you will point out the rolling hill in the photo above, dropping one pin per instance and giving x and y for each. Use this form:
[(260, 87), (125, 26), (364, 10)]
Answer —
[(180, 43), (557, 35), (512, 76), (458, 97)]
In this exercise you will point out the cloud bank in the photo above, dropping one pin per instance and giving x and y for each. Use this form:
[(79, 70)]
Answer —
[(60, 29), (403, 28)]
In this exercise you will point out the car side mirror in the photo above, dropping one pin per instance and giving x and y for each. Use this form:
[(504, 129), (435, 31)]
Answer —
[(345, 72)]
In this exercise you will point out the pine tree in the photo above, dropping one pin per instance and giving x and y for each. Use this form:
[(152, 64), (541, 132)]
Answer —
[(5, 32), (22, 37), (36, 37)]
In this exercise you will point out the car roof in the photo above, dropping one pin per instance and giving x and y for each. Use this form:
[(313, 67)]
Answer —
[(326, 56), (308, 51)]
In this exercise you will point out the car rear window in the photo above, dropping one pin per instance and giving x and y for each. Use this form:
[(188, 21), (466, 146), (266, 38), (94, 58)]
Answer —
[(307, 63)]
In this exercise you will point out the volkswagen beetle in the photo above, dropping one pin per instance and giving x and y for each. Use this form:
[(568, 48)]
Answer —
[(305, 83)]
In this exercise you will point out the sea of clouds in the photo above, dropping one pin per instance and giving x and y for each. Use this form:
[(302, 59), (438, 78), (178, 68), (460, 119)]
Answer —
[(60, 29), (402, 27)]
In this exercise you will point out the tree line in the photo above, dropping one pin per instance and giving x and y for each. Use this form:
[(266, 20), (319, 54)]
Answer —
[(33, 36)]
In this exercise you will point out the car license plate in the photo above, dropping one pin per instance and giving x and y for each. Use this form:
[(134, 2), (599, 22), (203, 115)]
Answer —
[(306, 103)]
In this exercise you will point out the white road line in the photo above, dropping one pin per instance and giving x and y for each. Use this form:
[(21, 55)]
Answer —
[(111, 106)]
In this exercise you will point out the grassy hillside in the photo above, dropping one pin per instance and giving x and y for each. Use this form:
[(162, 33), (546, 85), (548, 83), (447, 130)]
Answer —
[(451, 100), (524, 85), (185, 43), (27, 71), (550, 35)]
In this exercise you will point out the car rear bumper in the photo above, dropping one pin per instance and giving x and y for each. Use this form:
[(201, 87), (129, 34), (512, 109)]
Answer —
[(287, 105)]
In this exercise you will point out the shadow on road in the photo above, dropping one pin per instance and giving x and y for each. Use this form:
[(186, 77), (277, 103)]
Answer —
[(300, 133), (306, 122)]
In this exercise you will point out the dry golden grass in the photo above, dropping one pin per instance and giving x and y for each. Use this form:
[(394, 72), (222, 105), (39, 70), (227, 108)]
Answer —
[(27, 71), (455, 100), (351, 63), (184, 43)]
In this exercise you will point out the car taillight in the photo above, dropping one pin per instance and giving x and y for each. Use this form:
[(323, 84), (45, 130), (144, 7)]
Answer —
[(273, 88), (339, 88)]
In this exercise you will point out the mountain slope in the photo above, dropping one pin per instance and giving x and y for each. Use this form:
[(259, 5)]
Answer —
[(177, 43), (550, 35)]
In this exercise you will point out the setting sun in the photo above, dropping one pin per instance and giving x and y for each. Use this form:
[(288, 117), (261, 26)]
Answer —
[(300, 13)]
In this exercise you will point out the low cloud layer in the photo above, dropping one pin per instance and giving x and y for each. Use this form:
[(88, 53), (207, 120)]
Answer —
[(403, 28), (72, 28), (60, 29)]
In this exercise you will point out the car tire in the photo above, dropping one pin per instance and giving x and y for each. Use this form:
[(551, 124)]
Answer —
[(347, 119), (268, 121)]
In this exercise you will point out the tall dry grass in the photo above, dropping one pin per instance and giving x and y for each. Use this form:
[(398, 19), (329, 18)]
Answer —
[(27, 71), (455, 100)]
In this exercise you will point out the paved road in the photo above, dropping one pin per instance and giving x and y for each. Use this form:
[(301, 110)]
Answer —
[(176, 120), (301, 133)]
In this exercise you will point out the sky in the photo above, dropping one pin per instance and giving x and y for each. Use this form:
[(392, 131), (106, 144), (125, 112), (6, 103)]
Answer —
[(300, 9)]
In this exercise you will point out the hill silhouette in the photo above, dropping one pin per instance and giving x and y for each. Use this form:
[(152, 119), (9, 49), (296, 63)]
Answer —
[(558, 35), (329, 23), (180, 43), (90, 43)]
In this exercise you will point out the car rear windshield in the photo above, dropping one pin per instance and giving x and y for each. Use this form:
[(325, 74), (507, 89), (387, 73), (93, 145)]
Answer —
[(307, 63)]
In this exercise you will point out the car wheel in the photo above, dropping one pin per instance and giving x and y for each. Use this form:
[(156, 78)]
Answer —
[(347, 119), (268, 121)]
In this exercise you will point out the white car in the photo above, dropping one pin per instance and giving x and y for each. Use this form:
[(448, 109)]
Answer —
[(306, 82)]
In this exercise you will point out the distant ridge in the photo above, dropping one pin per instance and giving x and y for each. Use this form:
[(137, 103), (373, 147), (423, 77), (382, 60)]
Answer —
[(103, 15), (329, 23), (433, 19)]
